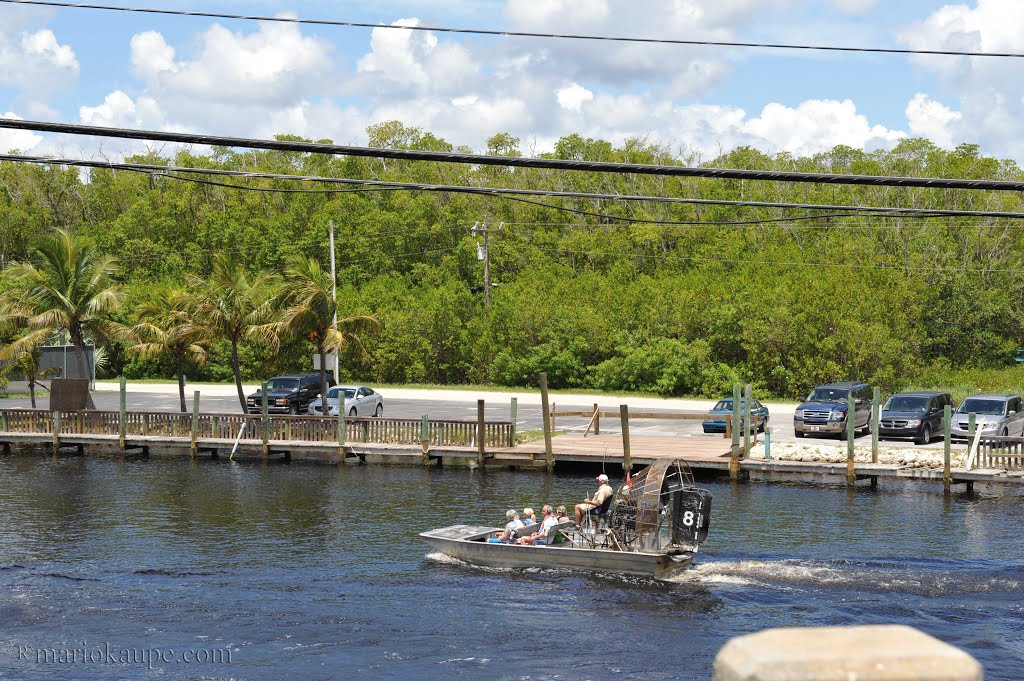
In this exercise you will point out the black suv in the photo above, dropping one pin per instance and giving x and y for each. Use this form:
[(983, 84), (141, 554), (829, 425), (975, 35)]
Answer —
[(914, 415), (824, 410), (287, 394)]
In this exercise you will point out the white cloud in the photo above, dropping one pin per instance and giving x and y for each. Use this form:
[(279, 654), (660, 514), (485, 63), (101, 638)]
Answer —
[(989, 91), (399, 60), (934, 120), (36, 62), (855, 6), (273, 66), (818, 125), (22, 140), (573, 96)]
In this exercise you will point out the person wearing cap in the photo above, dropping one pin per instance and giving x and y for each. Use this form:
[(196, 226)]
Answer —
[(543, 535), (513, 523), (604, 492)]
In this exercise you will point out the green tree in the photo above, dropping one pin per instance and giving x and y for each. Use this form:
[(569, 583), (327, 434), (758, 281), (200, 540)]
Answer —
[(167, 328), (69, 287), (237, 305), (309, 310)]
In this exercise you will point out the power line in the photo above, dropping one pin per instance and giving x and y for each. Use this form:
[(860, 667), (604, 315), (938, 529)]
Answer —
[(504, 192), (511, 161), (519, 34)]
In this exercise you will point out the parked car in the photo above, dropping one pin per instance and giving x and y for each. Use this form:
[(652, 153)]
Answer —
[(287, 394), (914, 415), (359, 401), (995, 414), (824, 410), (715, 423)]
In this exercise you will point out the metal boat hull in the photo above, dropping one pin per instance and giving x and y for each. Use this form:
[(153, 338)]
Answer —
[(468, 543)]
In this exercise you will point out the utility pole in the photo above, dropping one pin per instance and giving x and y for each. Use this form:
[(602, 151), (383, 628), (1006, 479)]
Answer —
[(484, 253), (334, 289)]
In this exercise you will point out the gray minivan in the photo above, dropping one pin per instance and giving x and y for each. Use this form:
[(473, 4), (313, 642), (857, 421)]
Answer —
[(996, 414)]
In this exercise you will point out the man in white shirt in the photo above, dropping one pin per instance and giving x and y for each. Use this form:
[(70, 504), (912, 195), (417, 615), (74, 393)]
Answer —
[(604, 492), (543, 535)]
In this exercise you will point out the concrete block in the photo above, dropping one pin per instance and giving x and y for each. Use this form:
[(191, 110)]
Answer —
[(857, 653)]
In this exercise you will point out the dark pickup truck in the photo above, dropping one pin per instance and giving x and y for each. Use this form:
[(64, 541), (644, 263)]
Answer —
[(287, 394)]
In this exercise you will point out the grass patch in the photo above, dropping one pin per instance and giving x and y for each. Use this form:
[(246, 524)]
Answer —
[(533, 435), (963, 382)]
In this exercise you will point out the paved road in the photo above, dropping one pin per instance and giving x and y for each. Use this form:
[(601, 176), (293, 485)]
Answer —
[(461, 405)]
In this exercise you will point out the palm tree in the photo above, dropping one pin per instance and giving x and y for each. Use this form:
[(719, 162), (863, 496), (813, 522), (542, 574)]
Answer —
[(70, 287), (309, 310), (235, 305), (23, 354), (167, 328)]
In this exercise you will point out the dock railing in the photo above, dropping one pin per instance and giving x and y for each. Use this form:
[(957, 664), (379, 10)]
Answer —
[(1003, 453), (441, 433)]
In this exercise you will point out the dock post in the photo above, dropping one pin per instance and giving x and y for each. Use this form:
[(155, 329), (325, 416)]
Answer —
[(734, 458), (748, 414), (425, 437), (4, 425), (481, 434), (549, 456), (970, 429), (627, 458), (597, 419), (195, 422), (851, 432), (947, 476), (513, 415), (122, 420), (265, 423), (876, 411), (341, 432), (56, 432)]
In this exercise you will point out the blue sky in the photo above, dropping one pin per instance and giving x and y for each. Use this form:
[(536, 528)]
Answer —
[(250, 78)]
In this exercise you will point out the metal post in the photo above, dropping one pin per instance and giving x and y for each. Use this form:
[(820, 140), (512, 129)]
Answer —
[(627, 458), (549, 456), (122, 421), (947, 418), (195, 421), (480, 434), (876, 411), (513, 412), (851, 431), (425, 439), (265, 422), (747, 422), (597, 419), (734, 458)]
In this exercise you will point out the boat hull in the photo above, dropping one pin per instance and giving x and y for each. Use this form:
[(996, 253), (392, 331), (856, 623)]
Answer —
[(468, 543)]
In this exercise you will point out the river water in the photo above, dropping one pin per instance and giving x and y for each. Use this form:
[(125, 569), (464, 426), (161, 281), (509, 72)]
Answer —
[(242, 571)]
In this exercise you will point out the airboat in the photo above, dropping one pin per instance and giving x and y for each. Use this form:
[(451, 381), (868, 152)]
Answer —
[(653, 527)]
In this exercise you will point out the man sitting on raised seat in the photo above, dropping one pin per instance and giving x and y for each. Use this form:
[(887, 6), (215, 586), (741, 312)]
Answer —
[(604, 492)]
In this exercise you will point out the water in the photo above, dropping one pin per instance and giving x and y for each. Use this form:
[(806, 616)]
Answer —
[(316, 572)]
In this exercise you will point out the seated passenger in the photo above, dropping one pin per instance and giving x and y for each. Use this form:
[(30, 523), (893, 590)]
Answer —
[(513, 524), (528, 517), (594, 505), (540, 537), (561, 515)]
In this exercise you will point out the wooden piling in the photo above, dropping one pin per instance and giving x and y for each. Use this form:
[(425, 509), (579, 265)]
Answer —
[(549, 455), (195, 421), (122, 417), (513, 414), (341, 428), (627, 458), (947, 476), (425, 438), (481, 434), (734, 457), (876, 410), (597, 419), (265, 423), (56, 432), (851, 433)]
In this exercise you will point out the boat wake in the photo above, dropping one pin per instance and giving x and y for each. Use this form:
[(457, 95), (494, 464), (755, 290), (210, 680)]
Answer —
[(866, 576)]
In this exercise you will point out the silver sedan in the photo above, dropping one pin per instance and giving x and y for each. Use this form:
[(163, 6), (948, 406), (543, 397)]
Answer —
[(359, 401)]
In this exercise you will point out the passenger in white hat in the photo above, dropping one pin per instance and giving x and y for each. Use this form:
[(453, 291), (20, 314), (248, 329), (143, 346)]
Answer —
[(604, 493)]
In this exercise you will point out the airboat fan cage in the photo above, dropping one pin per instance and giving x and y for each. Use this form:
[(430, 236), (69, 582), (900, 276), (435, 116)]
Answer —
[(661, 510)]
